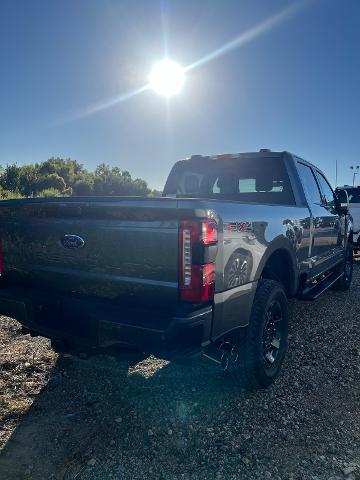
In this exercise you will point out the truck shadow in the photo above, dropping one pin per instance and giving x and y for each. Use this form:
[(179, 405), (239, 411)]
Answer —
[(119, 417), (96, 408)]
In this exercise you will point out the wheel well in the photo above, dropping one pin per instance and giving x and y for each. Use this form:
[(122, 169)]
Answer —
[(280, 267)]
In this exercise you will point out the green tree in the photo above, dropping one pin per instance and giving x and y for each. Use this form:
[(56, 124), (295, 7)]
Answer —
[(10, 178), (84, 185), (68, 177), (113, 181), (53, 180), (67, 168), (28, 177)]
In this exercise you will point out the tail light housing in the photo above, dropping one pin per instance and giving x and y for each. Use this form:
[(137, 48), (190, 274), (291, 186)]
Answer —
[(197, 252)]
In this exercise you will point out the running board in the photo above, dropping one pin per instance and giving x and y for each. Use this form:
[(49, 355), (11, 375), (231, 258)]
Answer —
[(314, 292)]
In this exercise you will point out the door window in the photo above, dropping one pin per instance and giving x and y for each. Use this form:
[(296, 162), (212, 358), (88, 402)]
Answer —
[(310, 185), (327, 191)]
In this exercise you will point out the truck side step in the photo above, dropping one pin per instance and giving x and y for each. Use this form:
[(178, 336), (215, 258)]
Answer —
[(312, 292)]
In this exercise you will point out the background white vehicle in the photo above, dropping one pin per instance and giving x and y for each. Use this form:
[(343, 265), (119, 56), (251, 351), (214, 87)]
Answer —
[(354, 207)]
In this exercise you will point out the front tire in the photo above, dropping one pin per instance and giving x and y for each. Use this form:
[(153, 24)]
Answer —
[(263, 346)]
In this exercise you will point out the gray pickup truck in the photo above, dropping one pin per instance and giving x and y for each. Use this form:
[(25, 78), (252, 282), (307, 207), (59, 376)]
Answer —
[(205, 270)]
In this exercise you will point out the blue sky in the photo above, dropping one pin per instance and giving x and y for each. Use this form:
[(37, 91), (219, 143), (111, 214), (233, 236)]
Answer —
[(294, 87)]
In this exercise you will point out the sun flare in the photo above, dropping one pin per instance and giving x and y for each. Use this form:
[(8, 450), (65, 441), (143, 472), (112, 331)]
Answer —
[(167, 78)]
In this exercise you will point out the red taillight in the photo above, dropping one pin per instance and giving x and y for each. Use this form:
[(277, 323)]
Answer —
[(209, 232), (196, 280)]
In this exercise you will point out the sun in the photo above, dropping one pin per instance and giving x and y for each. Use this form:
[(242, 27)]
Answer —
[(167, 78)]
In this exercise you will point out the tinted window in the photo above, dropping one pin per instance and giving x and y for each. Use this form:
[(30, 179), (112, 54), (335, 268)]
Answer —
[(258, 180), (248, 185), (309, 183), (327, 191)]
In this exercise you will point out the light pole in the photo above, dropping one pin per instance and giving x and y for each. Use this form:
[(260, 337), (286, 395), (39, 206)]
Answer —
[(355, 170), (336, 173)]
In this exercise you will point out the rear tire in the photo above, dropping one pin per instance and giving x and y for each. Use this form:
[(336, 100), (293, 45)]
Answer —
[(263, 345), (346, 268)]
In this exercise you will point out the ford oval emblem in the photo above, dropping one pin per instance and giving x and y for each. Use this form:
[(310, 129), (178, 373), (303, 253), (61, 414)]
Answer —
[(72, 241)]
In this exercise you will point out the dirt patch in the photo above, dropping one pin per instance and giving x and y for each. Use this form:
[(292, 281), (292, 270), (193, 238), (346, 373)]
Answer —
[(133, 417), (25, 368)]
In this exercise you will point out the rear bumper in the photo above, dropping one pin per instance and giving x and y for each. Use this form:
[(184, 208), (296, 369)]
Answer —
[(90, 324)]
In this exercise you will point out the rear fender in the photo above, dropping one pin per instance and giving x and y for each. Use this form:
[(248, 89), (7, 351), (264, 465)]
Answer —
[(286, 250)]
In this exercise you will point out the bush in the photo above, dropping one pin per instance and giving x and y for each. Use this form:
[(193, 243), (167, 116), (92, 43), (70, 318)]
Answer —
[(7, 195), (51, 192), (155, 193)]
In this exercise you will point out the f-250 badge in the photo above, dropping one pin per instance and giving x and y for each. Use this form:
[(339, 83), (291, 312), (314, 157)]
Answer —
[(238, 227)]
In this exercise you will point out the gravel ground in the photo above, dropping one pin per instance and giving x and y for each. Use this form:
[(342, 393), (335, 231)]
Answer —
[(133, 417)]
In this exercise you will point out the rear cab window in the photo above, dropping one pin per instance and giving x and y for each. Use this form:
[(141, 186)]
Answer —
[(254, 180)]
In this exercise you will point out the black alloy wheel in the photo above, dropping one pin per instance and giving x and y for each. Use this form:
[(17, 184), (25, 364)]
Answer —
[(262, 345), (273, 333)]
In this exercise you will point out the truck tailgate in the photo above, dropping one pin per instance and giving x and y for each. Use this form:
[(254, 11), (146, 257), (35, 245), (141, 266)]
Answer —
[(123, 249)]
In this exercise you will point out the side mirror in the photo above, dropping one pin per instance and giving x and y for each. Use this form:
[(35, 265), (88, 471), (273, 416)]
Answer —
[(343, 200)]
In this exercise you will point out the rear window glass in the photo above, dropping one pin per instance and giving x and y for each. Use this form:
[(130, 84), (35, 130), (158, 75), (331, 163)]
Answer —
[(258, 180)]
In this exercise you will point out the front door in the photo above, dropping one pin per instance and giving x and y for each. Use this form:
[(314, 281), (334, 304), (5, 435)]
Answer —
[(331, 218)]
